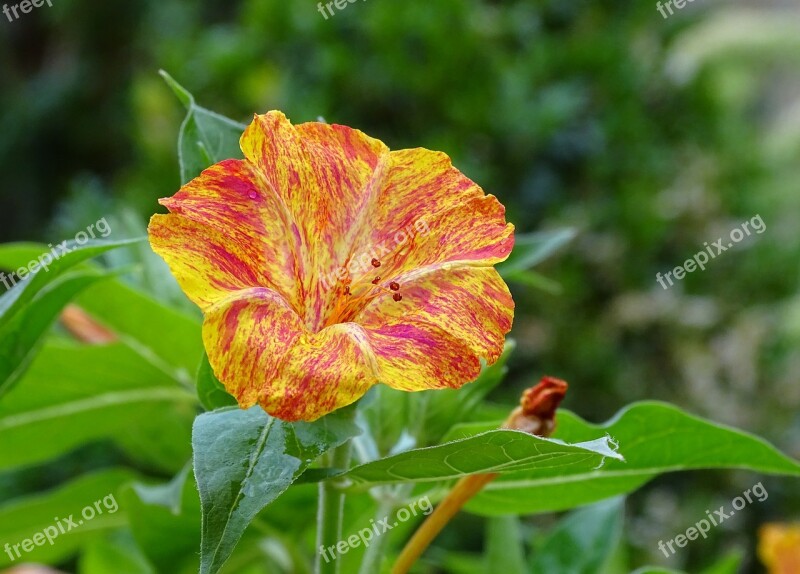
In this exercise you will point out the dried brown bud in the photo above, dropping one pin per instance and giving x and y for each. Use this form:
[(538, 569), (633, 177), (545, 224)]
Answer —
[(537, 411)]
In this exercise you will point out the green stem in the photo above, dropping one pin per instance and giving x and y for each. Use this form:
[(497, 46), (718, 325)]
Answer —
[(371, 561), (329, 513)]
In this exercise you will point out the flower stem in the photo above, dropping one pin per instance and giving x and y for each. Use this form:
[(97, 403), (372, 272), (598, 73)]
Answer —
[(465, 489), (535, 415), (371, 561), (330, 513)]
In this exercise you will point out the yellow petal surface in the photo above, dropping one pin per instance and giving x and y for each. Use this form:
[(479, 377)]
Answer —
[(324, 176), (226, 231), (449, 317), (259, 348)]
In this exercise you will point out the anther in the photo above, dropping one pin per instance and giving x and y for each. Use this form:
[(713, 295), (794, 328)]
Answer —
[(397, 297), (375, 281), (394, 286), (376, 263)]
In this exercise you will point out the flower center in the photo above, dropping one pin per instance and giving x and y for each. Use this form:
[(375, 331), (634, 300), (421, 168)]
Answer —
[(351, 296)]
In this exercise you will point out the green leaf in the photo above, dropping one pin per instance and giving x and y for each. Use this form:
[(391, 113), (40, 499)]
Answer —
[(504, 549), (212, 393), (206, 137), (22, 334), (169, 495), (167, 338), (76, 393), (532, 248), (535, 280), (164, 336), (583, 541), (165, 521), (730, 564), (22, 518), (500, 451), (654, 438), (114, 554), (14, 300), (245, 459)]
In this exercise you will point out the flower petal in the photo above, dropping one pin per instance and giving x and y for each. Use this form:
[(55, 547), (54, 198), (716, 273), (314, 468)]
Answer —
[(226, 232), (324, 174), (445, 320), (471, 303), (260, 350), (418, 356), (247, 336), (323, 372), (428, 212), (779, 547)]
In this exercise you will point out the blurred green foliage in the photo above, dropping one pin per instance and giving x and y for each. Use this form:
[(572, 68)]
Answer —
[(648, 136)]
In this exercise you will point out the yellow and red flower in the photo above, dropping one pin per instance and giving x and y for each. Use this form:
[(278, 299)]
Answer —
[(325, 263)]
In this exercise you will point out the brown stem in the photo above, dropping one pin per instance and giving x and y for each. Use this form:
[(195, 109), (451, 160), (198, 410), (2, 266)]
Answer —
[(535, 415), (81, 325)]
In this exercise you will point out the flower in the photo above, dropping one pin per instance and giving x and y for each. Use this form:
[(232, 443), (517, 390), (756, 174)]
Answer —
[(324, 263), (779, 548)]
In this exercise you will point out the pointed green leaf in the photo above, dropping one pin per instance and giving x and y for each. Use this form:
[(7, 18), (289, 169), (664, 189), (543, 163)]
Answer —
[(15, 299), (74, 393), (245, 459), (168, 337), (168, 495), (20, 337), (22, 518), (504, 549), (211, 392), (654, 438), (500, 451), (530, 249), (582, 542), (206, 137)]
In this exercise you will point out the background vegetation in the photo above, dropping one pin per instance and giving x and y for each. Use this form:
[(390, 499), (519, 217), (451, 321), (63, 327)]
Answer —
[(648, 136)]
